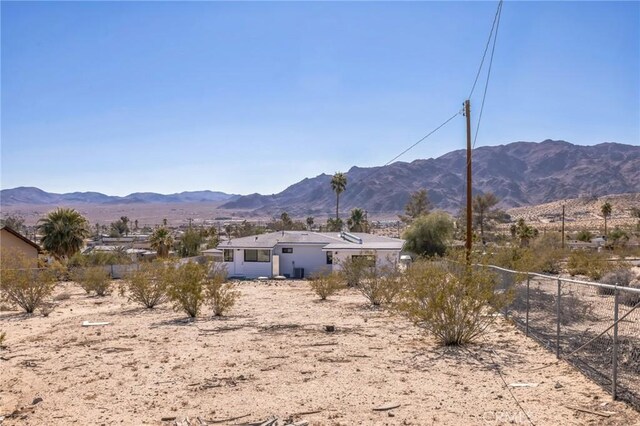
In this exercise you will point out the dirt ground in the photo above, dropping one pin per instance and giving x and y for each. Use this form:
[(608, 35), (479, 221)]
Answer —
[(271, 357)]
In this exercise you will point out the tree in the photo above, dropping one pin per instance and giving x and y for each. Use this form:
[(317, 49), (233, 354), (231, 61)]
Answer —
[(190, 243), (338, 184), (357, 222), (14, 222), (524, 232), (287, 223), (334, 225), (309, 223), (63, 232), (418, 205), (135, 225), (120, 227), (428, 235), (161, 240), (482, 205), (606, 212)]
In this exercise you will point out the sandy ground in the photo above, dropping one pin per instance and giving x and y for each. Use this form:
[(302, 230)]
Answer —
[(272, 357)]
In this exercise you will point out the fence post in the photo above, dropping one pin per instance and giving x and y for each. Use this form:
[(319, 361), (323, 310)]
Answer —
[(111, 271), (614, 379), (526, 321), (558, 321)]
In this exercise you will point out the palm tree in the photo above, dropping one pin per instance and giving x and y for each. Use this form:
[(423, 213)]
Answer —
[(338, 184), (309, 223), (63, 232), (357, 221), (606, 212), (161, 240)]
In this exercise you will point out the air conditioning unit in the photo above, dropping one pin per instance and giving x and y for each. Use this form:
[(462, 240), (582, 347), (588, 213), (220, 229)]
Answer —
[(298, 273)]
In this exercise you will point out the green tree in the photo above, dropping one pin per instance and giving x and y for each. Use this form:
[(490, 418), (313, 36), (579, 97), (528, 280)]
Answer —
[(63, 232), (338, 185), (357, 222), (524, 232), (287, 223), (309, 223), (482, 209), (418, 205), (428, 235), (334, 225), (161, 241), (606, 212), (120, 227), (190, 243)]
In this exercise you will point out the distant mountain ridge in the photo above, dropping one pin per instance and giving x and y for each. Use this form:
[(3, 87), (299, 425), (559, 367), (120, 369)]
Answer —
[(519, 173), (36, 196)]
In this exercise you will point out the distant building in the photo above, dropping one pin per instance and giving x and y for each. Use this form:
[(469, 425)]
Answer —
[(14, 241), (299, 254)]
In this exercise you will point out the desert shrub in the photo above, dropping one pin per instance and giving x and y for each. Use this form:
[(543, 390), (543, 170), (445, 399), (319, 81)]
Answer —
[(93, 279), (3, 336), (429, 234), (185, 287), (381, 284), (630, 298), (325, 285), (593, 265), (584, 236), (62, 296), (221, 295), (621, 277), (354, 268), (547, 254), (148, 285), (21, 283), (450, 300), (46, 308)]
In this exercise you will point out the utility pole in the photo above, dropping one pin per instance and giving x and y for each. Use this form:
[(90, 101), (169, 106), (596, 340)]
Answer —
[(563, 227), (467, 113)]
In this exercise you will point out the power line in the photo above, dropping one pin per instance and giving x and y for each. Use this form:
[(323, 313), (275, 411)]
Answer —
[(486, 48), (486, 85)]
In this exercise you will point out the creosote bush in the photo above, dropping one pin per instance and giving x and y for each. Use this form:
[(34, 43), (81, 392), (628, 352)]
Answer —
[(381, 284), (220, 294), (325, 285), (22, 283), (452, 301), (93, 279), (148, 285), (593, 265), (629, 298), (353, 269), (621, 277)]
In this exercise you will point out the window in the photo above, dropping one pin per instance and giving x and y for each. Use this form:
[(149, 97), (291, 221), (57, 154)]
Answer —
[(287, 250), (329, 257), (369, 259), (257, 256), (227, 255)]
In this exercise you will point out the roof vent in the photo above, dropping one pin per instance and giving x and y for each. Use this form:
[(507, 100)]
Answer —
[(350, 237)]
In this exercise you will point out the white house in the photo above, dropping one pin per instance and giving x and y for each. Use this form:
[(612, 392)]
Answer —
[(299, 254)]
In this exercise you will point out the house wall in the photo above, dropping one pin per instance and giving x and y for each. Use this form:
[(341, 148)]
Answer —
[(309, 257), (10, 242), (247, 269), (383, 257)]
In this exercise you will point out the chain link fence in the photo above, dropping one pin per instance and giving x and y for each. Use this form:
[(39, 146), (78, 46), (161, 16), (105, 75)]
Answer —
[(596, 327)]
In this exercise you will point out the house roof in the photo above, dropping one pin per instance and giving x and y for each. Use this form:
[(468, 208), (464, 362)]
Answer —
[(20, 236), (332, 240)]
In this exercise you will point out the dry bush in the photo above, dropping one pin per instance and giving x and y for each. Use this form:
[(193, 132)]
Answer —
[(46, 308), (62, 296), (630, 298), (592, 264), (148, 285), (325, 285), (381, 284), (453, 302), (220, 294), (185, 287), (353, 269), (21, 283), (621, 277), (94, 279)]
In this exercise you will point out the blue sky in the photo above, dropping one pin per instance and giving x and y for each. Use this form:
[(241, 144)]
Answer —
[(250, 97)]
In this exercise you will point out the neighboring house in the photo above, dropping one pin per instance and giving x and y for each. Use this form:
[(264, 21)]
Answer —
[(12, 240), (299, 254)]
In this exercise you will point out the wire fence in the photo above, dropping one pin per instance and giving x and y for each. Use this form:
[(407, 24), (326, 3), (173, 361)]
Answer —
[(596, 327)]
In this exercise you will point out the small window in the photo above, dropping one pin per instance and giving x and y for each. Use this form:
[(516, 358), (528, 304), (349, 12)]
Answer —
[(329, 258), (257, 256), (228, 255), (287, 250)]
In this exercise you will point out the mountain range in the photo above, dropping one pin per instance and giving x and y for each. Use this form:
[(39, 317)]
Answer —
[(519, 173), (36, 196)]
